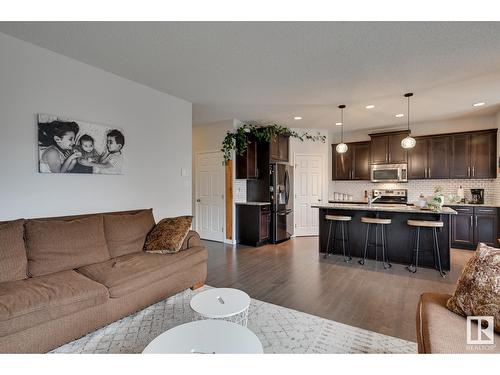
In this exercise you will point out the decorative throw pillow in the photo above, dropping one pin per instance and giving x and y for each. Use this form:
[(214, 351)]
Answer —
[(478, 288), (168, 235)]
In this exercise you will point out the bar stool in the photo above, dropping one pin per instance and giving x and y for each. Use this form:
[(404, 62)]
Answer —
[(379, 223), (345, 235), (437, 256)]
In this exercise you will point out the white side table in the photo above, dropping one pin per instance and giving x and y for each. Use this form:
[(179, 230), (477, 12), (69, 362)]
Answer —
[(206, 337), (222, 303)]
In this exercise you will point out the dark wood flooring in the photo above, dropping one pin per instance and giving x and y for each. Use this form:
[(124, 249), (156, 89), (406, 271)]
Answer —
[(294, 275)]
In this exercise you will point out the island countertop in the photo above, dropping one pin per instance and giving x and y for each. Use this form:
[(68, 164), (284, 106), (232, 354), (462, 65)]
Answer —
[(384, 208)]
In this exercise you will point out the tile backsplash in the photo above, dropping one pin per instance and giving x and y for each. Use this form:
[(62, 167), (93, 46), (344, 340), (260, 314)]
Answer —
[(416, 187), (240, 190)]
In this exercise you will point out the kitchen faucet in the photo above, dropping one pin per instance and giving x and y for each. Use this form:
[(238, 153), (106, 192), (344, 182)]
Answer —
[(370, 201)]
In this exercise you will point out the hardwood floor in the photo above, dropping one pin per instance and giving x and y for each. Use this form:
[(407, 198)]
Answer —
[(294, 275)]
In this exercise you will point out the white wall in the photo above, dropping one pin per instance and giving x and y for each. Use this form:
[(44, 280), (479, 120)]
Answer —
[(157, 130)]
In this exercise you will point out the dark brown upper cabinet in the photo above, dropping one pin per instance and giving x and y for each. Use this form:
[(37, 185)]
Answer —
[(278, 148), (246, 164), (353, 164), (473, 155), (483, 146), (386, 148), (429, 158), (417, 160)]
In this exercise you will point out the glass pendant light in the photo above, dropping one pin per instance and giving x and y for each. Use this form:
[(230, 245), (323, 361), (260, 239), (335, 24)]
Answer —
[(341, 147), (409, 141)]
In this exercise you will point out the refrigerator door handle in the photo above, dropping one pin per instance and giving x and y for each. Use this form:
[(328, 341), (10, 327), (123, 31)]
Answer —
[(287, 187)]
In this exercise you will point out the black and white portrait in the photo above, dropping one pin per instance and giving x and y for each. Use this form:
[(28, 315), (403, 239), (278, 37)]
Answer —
[(71, 146)]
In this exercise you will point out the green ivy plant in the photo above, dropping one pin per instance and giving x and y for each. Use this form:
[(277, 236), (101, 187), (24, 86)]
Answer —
[(239, 140)]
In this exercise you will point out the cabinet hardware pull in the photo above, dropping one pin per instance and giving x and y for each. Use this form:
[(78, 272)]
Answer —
[(468, 171), (473, 170), (476, 221), (429, 172), (471, 221)]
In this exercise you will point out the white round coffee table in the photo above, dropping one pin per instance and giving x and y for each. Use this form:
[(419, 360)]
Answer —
[(206, 337), (222, 303)]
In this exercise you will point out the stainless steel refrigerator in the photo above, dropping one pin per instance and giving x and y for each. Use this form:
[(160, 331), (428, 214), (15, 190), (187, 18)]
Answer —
[(281, 192)]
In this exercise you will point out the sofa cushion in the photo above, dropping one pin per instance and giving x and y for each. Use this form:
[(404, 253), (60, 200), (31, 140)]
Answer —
[(130, 272), (126, 233), (441, 331), (13, 261), (168, 235), (58, 245), (27, 303), (478, 288)]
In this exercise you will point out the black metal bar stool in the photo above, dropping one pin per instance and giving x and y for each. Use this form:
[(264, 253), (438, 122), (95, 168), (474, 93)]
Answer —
[(416, 246), (344, 233), (379, 223)]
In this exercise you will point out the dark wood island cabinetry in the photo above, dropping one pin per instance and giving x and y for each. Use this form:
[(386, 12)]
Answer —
[(398, 232)]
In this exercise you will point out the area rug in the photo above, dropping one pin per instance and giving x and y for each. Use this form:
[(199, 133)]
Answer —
[(281, 330)]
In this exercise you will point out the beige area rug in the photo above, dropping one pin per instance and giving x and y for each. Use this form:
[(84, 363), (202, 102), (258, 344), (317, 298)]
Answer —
[(281, 330)]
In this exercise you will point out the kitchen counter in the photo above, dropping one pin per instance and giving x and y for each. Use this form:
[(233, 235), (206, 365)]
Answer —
[(252, 203), (399, 233), (487, 204), (384, 208)]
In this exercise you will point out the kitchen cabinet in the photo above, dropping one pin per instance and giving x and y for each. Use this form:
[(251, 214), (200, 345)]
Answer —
[(361, 161), (474, 224), (278, 148), (246, 164), (483, 147), (429, 158), (253, 223), (473, 155), (418, 160), (353, 164), (438, 165), (386, 148)]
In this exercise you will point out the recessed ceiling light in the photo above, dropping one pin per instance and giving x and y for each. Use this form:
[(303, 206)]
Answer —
[(480, 104), (297, 118), (371, 106), (338, 123), (400, 115)]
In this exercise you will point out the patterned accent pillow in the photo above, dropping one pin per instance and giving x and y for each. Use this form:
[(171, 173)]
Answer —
[(168, 235), (478, 288)]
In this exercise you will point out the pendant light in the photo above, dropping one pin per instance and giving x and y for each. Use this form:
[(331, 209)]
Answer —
[(409, 141), (341, 147)]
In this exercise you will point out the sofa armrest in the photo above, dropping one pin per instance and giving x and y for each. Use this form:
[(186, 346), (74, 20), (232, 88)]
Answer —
[(192, 239), (441, 331)]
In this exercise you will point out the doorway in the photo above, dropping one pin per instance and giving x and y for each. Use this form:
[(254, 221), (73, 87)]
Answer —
[(309, 187), (209, 195)]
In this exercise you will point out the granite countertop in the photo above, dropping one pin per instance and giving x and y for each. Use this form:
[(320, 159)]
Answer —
[(487, 204), (384, 208), (252, 203)]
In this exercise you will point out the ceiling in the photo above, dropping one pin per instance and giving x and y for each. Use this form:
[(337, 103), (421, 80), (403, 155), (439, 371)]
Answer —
[(273, 71)]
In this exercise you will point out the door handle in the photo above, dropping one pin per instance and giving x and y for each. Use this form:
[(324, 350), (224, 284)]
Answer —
[(198, 200), (319, 200)]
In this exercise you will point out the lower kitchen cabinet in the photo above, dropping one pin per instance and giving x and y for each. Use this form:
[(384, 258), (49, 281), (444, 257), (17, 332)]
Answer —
[(474, 224), (253, 223)]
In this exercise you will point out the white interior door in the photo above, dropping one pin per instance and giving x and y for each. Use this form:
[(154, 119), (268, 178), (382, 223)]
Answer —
[(308, 191), (209, 187)]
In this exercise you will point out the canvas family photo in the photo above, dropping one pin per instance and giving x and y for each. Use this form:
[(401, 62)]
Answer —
[(72, 146)]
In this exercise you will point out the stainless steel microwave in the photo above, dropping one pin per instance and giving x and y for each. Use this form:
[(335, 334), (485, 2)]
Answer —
[(389, 173)]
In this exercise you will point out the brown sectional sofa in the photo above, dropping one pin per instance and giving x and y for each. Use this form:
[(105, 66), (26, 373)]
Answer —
[(63, 277), (441, 331)]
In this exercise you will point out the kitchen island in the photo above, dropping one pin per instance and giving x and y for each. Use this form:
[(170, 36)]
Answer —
[(399, 234)]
